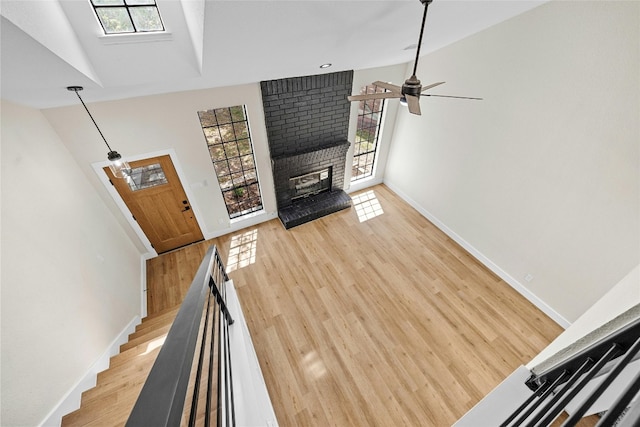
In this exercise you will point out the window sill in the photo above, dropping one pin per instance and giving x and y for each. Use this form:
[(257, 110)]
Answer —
[(161, 36), (247, 216)]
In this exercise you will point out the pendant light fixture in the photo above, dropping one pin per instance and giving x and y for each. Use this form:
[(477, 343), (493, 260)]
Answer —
[(119, 167)]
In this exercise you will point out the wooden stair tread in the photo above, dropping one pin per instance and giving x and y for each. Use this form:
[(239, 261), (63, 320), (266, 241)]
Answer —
[(136, 351), (99, 394), (126, 370), (150, 321), (145, 336)]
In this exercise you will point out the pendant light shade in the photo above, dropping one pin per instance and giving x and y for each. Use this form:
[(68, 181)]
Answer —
[(119, 168)]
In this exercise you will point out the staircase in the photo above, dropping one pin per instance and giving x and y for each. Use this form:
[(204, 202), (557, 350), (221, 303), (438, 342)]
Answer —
[(192, 364), (109, 403)]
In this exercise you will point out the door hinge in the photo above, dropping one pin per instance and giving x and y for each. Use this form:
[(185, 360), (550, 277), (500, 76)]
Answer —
[(110, 182), (134, 218)]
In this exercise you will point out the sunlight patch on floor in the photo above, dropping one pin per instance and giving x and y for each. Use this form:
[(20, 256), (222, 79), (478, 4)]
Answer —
[(154, 344), (243, 250), (367, 205), (314, 365)]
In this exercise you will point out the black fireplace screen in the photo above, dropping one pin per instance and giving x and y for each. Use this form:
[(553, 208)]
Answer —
[(310, 183)]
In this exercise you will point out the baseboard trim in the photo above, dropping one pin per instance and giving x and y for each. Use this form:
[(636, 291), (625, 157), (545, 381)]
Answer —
[(71, 401), (530, 296), (143, 283)]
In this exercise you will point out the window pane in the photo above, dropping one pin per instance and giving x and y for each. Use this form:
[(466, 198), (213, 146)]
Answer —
[(225, 182), (237, 114), (254, 192), (250, 176), (223, 115), (216, 152), (238, 179), (146, 177), (227, 133), (213, 135), (230, 200), (241, 130), (207, 118), (115, 20), (247, 162), (231, 149), (146, 18), (222, 168), (235, 165), (244, 146)]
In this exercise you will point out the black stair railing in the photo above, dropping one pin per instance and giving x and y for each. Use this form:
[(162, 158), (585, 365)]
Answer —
[(557, 386), (194, 363)]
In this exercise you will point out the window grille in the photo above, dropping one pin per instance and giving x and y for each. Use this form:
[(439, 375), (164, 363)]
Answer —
[(226, 131), (367, 134)]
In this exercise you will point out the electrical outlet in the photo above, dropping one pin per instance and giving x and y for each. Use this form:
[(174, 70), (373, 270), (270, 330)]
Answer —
[(528, 277)]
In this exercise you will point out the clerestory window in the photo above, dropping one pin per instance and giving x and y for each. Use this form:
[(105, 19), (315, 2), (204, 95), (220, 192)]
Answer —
[(367, 134), (229, 142), (128, 16)]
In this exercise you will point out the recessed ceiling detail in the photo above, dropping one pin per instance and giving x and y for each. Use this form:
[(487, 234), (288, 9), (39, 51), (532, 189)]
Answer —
[(46, 45)]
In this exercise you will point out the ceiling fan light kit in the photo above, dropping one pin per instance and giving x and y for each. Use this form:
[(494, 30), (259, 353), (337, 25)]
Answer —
[(411, 91)]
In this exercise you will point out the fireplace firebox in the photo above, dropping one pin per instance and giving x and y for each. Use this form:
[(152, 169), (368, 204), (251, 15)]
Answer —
[(310, 183)]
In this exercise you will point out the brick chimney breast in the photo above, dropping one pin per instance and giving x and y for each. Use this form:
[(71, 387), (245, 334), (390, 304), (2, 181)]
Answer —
[(307, 120)]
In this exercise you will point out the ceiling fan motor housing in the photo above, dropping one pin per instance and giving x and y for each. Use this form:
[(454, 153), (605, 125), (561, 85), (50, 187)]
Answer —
[(412, 86)]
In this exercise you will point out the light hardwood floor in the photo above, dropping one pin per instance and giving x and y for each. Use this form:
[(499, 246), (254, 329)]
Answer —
[(383, 322)]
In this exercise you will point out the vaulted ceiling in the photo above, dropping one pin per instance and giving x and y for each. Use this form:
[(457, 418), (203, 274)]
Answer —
[(49, 45)]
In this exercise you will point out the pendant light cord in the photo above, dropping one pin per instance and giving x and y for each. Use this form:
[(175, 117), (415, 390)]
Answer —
[(424, 18), (94, 122)]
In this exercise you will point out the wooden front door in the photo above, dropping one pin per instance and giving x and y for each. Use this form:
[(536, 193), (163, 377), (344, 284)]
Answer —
[(154, 195)]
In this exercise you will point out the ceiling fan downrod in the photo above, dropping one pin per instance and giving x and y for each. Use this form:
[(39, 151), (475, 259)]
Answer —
[(424, 19)]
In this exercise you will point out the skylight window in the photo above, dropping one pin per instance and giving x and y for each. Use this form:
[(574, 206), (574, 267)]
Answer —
[(128, 16)]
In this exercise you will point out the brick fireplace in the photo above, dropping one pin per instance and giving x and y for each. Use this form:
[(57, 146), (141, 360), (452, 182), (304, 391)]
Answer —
[(307, 121)]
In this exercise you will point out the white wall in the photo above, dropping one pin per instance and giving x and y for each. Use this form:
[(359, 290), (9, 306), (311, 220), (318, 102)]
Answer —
[(137, 126), (70, 275), (542, 177)]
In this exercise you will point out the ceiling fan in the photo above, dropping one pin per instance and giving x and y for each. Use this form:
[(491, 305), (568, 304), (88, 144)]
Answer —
[(411, 91)]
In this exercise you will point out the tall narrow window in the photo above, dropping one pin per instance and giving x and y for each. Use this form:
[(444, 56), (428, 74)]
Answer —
[(367, 133), (128, 16), (229, 141)]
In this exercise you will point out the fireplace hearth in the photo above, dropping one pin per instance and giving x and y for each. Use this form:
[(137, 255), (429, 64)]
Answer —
[(313, 207), (309, 184)]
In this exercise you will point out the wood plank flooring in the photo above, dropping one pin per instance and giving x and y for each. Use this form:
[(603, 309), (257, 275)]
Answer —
[(379, 322)]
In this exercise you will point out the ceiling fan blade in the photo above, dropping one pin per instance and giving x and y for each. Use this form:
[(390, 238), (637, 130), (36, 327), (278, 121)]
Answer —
[(413, 102), (381, 95), (450, 96), (388, 86), (432, 85)]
